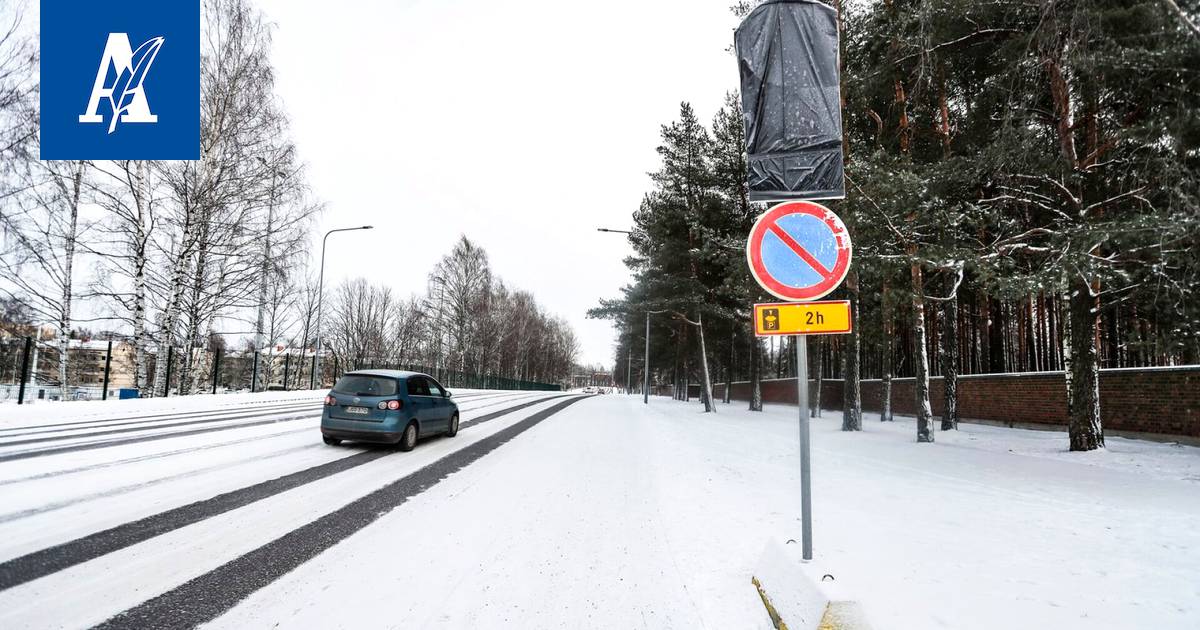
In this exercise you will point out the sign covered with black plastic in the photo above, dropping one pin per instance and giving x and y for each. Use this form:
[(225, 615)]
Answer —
[(787, 53)]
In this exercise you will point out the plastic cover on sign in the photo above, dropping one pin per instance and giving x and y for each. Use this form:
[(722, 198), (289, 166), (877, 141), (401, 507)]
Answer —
[(787, 54)]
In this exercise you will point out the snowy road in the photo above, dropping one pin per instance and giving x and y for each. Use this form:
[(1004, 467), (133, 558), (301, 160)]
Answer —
[(117, 518), (552, 511)]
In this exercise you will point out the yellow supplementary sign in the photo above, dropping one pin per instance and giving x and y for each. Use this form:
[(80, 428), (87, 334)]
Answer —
[(802, 318)]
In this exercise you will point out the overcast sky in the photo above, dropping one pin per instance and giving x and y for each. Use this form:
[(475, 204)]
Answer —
[(524, 125)]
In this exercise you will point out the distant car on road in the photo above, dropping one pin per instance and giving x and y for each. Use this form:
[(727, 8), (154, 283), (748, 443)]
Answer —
[(589, 390), (387, 406)]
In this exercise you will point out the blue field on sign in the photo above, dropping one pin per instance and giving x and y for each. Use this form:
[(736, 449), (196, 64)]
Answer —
[(785, 265)]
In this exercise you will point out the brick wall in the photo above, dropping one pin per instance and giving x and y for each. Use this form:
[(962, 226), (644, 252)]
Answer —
[(1144, 400)]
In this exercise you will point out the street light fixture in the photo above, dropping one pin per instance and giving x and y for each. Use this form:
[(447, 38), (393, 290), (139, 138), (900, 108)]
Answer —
[(646, 363), (312, 378)]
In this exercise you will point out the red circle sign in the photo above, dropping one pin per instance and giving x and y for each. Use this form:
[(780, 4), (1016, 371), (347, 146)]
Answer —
[(799, 251)]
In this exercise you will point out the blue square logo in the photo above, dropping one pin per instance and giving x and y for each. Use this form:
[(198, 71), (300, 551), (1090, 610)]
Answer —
[(120, 81)]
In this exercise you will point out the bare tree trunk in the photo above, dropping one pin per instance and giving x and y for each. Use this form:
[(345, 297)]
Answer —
[(920, 356), (171, 313), (264, 278), (64, 321), (889, 341), (818, 377), (755, 372), (707, 385), (191, 339), (141, 199), (852, 387), (732, 362), (949, 340), (685, 393), (1083, 369)]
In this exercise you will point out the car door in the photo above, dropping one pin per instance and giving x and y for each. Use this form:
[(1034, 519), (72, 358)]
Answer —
[(418, 397), (441, 403)]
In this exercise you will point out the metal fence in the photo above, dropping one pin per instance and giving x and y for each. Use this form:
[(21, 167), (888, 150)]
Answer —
[(103, 370), (454, 378)]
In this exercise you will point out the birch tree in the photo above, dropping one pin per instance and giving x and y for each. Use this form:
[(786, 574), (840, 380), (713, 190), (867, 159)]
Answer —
[(43, 236), (123, 245)]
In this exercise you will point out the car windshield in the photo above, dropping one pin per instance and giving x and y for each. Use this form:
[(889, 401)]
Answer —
[(366, 385)]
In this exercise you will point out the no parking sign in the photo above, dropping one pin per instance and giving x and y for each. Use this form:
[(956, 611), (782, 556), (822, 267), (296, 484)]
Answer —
[(799, 251)]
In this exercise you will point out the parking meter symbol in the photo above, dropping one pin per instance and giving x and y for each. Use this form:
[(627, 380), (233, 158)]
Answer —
[(770, 318)]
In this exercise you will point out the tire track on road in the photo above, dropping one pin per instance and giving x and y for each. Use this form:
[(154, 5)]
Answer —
[(206, 597), (233, 411), (148, 423), (49, 507), (119, 490), (87, 446), (142, 438), (192, 449), (257, 406), (172, 425), (53, 559)]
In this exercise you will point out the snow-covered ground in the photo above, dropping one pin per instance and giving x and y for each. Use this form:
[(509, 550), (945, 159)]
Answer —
[(46, 412), (603, 514), (608, 516)]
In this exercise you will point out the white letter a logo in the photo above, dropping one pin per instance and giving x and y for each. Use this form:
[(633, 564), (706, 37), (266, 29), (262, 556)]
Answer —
[(125, 95)]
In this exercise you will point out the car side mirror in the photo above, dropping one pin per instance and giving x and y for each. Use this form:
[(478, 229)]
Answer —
[(446, 393)]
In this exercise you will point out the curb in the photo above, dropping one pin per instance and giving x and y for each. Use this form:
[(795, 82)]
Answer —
[(776, 620), (795, 600)]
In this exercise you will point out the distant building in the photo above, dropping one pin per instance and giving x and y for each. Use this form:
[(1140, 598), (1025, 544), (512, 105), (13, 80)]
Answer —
[(87, 363), (592, 378)]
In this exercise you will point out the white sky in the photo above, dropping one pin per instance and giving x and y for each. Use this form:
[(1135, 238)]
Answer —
[(524, 125)]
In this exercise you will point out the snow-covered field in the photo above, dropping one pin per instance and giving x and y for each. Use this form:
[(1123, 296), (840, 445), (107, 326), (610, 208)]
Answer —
[(597, 514)]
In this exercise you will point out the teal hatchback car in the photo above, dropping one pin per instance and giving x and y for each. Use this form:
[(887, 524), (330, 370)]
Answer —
[(388, 406)]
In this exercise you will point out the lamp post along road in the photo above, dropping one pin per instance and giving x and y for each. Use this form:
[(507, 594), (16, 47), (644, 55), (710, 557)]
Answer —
[(646, 364), (312, 378), (629, 365)]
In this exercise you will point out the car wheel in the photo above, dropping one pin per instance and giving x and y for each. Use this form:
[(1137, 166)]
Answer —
[(409, 439), (453, 431), (330, 441)]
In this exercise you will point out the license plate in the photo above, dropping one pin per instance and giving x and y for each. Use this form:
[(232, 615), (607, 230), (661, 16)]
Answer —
[(362, 411)]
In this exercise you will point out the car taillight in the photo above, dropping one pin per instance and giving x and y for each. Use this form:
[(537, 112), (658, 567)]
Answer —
[(330, 401), (391, 405)]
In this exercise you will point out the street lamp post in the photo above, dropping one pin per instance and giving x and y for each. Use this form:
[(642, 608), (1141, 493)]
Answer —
[(312, 378), (646, 364), (629, 365)]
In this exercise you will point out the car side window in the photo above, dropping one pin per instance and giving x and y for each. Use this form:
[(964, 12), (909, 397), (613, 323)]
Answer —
[(417, 386), (434, 388)]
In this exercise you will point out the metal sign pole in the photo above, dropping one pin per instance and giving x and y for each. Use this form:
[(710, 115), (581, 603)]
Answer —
[(801, 343), (827, 252)]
